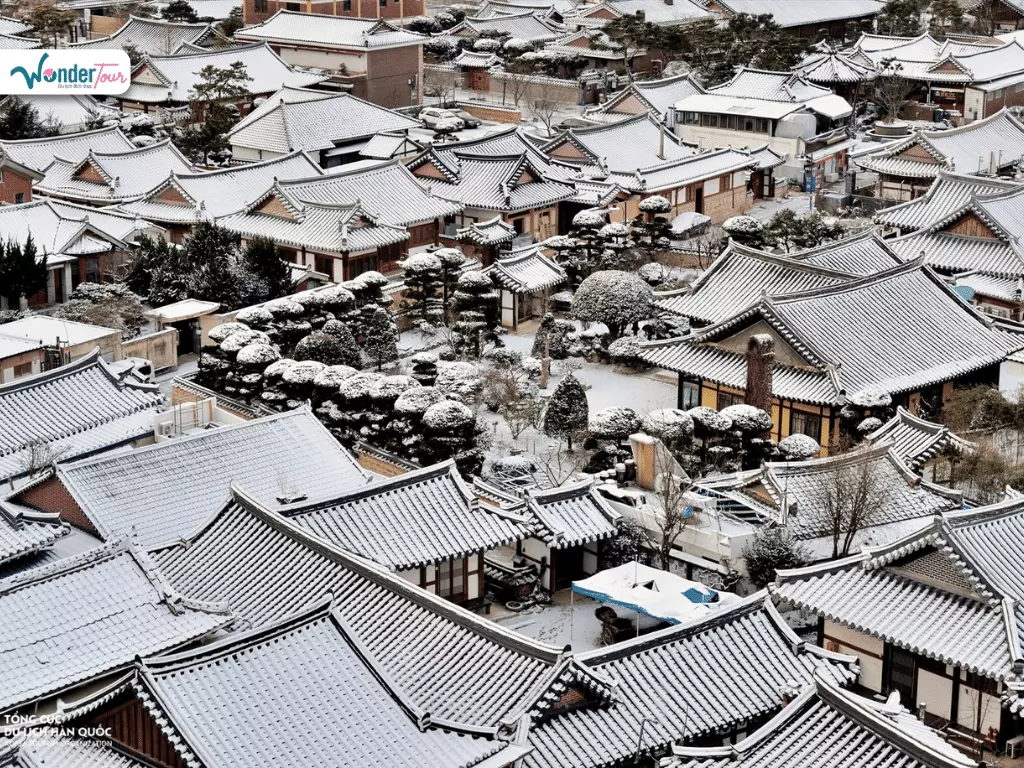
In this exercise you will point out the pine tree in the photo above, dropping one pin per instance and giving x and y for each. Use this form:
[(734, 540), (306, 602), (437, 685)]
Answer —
[(422, 282), (476, 300), (22, 272), (20, 120), (179, 10), (567, 410), (381, 345), (451, 261), (264, 259)]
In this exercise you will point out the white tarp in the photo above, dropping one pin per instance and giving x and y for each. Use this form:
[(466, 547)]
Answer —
[(658, 594)]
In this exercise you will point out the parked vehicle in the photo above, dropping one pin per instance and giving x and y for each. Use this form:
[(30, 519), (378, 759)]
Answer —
[(467, 119), (434, 116)]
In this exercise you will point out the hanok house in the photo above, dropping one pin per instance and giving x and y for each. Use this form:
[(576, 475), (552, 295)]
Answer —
[(797, 494), (497, 174), (72, 411), (805, 122), (660, 12), (425, 525), (826, 725), (81, 244), (53, 657), (333, 128), (340, 240), (352, 700), (182, 200), (154, 37), (72, 113), (907, 168), (25, 161), (931, 450), (814, 20), (741, 275), (159, 82), (640, 97), (932, 616), (832, 68), (972, 79), (523, 25), (379, 61), (109, 178), (833, 342), (977, 245), (600, 52), (268, 456), (20, 357), (394, 196), (484, 240), (526, 278), (26, 536)]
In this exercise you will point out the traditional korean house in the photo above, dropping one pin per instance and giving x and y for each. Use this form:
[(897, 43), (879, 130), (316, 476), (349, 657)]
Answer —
[(26, 750), (154, 37), (257, 11), (929, 449), (270, 456), (73, 411), (484, 240), (600, 52), (798, 494), (393, 195), (907, 168), (339, 239), (806, 19), (182, 200), (590, 16), (646, 96), (525, 25), (109, 178), (741, 275), (526, 277), (932, 616), (378, 60), (168, 81), (333, 128), (831, 68), (502, 173), (806, 123), (425, 525), (130, 611), (826, 725), (26, 534), (81, 243), (828, 346)]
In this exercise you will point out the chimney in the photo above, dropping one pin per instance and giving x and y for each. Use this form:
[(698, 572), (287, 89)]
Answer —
[(661, 137), (760, 366)]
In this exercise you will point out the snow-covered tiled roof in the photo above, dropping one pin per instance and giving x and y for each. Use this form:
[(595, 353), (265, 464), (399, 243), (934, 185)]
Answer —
[(468, 58), (522, 26), (17, 43), (997, 141), (385, 146), (24, 531), (159, 79), (491, 232), (112, 177), (622, 146), (332, 31), (77, 409), (153, 36), (38, 154), (826, 725), (572, 515), (946, 593), (32, 748), (654, 11), (853, 335), (387, 190), (769, 86), (799, 13), (411, 520), (740, 275), (674, 174), (190, 197), (526, 270), (455, 664), (90, 615), (833, 66), (10, 26), (656, 95), (312, 670), (313, 122), (70, 110), (949, 193), (178, 484), (727, 667), (916, 440)]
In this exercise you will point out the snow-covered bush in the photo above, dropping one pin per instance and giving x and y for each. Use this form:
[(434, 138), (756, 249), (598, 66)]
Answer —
[(255, 317), (708, 422), (233, 343), (655, 204), (615, 423), (258, 355), (218, 333), (486, 44), (798, 447), (460, 380), (869, 397), (326, 348), (424, 368), (745, 230), (772, 549), (626, 351), (516, 46), (613, 297), (414, 402), (869, 425), (591, 218), (672, 425), (747, 419), (390, 388)]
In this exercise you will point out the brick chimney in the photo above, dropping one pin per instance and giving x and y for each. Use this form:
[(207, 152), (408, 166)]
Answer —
[(760, 365)]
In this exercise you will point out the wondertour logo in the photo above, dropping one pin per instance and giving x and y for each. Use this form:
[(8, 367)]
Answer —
[(98, 71)]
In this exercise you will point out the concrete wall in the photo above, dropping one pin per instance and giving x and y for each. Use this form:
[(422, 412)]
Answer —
[(388, 73), (160, 347), (33, 358), (867, 649)]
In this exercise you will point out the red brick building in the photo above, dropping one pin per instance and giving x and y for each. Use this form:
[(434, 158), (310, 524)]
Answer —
[(258, 11)]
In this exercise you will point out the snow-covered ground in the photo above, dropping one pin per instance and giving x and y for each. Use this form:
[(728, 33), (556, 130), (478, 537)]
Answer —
[(568, 620)]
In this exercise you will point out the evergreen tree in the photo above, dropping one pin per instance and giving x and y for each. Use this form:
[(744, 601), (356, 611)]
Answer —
[(451, 260), (233, 22), (22, 272), (567, 410), (179, 10), (422, 282), (20, 120), (264, 259), (476, 300), (381, 345), (772, 549)]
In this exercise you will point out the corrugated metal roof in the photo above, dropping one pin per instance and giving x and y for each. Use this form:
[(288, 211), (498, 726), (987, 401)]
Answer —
[(411, 520), (53, 642)]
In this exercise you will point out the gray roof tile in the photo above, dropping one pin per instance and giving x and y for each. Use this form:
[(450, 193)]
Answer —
[(571, 515), (37, 748), (152, 36), (23, 531), (38, 154), (527, 270), (333, 31), (916, 440)]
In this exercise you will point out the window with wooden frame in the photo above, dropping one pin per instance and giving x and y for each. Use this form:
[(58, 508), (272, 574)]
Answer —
[(726, 399), (689, 394), (450, 578), (324, 264), (802, 423), (24, 369), (259, 6)]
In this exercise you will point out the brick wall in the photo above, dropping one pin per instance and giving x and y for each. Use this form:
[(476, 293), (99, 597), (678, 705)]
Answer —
[(366, 9), (495, 113), (51, 496), (388, 73), (14, 184)]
